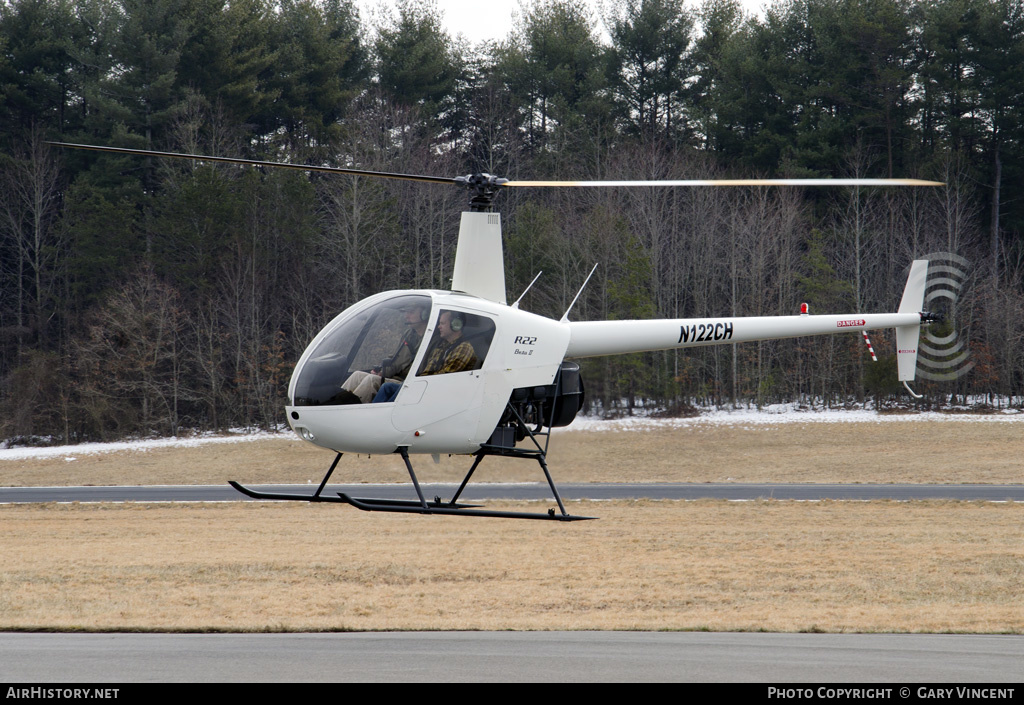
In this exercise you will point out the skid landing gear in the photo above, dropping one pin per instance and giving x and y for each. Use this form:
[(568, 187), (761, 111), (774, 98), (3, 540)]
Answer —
[(422, 506)]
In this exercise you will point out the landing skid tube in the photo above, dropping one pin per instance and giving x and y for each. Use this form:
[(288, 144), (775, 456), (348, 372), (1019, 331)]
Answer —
[(342, 498), (422, 506)]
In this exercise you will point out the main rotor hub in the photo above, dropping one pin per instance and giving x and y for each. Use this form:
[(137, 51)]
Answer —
[(482, 189)]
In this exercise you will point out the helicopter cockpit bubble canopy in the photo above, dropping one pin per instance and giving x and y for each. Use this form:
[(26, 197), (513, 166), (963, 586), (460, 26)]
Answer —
[(374, 334), (451, 408)]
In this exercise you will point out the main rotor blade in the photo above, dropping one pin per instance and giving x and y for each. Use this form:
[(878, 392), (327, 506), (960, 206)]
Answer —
[(257, 162), (497, 183), (732, 182)]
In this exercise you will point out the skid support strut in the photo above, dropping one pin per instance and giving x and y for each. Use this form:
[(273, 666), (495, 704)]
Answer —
[(452, 508)]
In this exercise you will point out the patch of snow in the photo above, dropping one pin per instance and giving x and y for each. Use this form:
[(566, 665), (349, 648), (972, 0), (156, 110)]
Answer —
[(777, 414), (71, 453)]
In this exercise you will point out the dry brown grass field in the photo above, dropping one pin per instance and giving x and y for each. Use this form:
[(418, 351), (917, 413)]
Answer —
[(772, 565), (777, 566), (896, 451)]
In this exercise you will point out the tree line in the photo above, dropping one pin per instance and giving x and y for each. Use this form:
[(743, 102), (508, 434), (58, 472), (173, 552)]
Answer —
[(146, 295)]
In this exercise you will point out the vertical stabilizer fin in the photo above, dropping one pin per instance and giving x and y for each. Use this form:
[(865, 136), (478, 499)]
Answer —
[(913, 294), (907, 337), (906, 351)]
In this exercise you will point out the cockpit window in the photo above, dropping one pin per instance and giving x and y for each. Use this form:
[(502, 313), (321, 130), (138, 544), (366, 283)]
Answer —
[(374, 345), (460, 342)]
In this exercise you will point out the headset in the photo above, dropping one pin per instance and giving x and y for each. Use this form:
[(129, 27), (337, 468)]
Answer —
[(423, 308)]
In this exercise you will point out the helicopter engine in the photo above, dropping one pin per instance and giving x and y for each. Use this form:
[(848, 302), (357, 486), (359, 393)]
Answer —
[(553, 405)]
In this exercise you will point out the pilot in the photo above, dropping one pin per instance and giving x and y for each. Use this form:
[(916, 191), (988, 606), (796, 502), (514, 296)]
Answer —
[(449, 354), (361, 386)]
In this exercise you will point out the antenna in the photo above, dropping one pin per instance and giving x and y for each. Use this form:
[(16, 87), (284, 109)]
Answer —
[(565, 316), (528, 286)]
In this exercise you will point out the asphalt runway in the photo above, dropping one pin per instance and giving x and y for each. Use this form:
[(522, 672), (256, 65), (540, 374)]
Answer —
[(530, 491), (900, 660)]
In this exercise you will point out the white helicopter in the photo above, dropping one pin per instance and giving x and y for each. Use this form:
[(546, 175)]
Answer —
[(464, 372)]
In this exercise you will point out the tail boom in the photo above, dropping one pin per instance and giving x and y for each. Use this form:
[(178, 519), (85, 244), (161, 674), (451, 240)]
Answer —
[(596, 338)]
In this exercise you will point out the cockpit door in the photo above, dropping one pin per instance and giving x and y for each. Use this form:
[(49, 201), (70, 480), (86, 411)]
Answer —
[(433, 396), (425, 401)]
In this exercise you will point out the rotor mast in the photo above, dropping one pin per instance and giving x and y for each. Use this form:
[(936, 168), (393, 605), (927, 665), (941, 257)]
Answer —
[(482, 190)]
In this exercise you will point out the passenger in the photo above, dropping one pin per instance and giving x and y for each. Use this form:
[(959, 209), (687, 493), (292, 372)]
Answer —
[(448, 354), (361, 386)]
